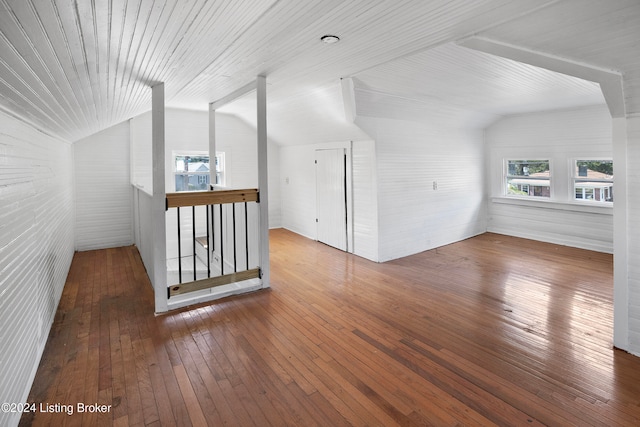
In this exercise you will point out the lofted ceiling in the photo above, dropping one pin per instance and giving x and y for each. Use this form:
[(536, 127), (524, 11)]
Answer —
[(74, 67), (469, 87)]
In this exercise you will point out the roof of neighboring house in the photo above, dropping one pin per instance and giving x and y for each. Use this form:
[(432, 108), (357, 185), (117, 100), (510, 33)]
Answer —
[(535, 179), (597, 175), (198, 167)]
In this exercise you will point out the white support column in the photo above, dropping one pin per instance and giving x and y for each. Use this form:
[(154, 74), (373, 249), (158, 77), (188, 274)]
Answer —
[(212, 144), (620, 238), (263, 177), (158, 217)]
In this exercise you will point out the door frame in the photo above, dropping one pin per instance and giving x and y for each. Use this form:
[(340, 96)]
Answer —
[(347, 146)]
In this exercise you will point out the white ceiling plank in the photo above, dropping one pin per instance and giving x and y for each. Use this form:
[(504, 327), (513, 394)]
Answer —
[(609, 80)]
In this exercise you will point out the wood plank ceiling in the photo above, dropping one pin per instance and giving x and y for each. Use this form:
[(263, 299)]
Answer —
[(74, 67)]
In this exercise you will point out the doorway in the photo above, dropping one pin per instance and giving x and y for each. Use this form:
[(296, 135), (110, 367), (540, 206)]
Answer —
[(331, 194)]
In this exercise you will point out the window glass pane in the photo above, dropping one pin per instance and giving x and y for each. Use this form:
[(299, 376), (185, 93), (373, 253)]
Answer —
[(593, 180), (600, 169), (186, 163), (191, 172), (529, 178), (191, 182)]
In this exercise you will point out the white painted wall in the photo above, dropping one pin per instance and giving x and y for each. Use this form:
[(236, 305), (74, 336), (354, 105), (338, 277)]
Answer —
[(562, 137), (298, 183), (411, 156), (36, 248), (143, 230), (141, 154), (365, 199), (633, 236), (627, 220), (315, 116), (104, 195)]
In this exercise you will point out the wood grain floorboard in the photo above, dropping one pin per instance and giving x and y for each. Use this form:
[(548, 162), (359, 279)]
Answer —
[(490, 331)]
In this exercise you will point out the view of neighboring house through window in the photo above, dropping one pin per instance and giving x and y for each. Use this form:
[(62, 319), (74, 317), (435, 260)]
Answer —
[(528, 178), (192, 171), (593, 180)]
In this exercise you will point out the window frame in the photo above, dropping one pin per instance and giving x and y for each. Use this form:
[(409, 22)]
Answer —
[(507, 177), (219, 176), (574, 178), (220, 169)]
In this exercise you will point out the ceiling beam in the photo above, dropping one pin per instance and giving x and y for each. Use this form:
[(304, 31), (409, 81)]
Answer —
[(233, 96)]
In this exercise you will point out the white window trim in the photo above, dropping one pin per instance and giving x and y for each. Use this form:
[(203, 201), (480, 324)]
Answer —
[(219, 154), (223, 179), (541, 202), (505, 177), (573, 178)]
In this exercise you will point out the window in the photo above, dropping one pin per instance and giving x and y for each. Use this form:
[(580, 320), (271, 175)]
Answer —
[(528, 178), (191, 171), (593, 180), (220, 169)]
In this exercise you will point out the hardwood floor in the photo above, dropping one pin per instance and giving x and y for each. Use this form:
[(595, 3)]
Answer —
[(490, 331)]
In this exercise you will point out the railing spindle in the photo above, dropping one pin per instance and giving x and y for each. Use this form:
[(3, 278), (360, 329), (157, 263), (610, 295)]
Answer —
[(207, 247), (221, 244), (179, 249), (235, 254), (246, 234), (213, 230), (193, 228)]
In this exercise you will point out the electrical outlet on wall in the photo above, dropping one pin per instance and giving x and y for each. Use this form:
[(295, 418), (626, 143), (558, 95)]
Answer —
[(435, 185)]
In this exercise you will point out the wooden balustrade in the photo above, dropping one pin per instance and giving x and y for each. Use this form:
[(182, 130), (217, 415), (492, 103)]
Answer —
[(226, 231)]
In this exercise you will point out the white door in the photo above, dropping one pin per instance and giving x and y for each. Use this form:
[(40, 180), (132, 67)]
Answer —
[(331, 190)]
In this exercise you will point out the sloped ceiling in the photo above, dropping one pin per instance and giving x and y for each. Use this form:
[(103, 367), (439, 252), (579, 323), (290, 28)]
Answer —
[(74, 67), (463, 87)]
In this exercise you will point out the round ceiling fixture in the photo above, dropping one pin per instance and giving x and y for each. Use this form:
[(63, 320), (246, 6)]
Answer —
[(329, 39)]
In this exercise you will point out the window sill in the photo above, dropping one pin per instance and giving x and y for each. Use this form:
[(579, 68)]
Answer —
[(583, 207)]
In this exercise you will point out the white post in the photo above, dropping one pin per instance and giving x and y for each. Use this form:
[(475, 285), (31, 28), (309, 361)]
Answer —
[(263, 177), (212, 145), (620, 239), (158, 217)]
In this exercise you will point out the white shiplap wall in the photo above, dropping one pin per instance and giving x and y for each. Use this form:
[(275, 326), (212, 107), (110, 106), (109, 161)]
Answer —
[(36, 248), (141, 152), (560, 136), (365, 199), (411, 156), (143, 230), (633, 235), (103, 190), (632, 93)]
